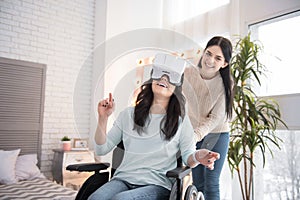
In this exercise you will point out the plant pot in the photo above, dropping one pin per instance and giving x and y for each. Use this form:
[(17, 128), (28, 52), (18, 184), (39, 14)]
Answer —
[(66, 145)]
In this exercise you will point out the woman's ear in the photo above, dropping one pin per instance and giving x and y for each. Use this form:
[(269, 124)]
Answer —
[(225, 65)]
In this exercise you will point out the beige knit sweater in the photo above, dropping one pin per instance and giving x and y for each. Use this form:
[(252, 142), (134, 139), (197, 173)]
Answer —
[(205, 103)]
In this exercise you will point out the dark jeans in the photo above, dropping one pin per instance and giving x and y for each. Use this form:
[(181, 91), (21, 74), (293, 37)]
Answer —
[(207, 181)]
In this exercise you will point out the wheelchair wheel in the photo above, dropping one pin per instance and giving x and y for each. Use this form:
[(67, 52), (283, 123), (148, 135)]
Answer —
[(173, 194), (191, 193)]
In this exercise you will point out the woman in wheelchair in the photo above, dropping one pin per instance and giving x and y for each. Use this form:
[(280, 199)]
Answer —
[(152, 131)]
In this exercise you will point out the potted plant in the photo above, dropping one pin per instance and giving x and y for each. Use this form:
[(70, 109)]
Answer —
[(66, 143), (255, 118)]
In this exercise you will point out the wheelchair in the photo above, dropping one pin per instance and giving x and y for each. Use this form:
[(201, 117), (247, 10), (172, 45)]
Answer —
[(101, 176)]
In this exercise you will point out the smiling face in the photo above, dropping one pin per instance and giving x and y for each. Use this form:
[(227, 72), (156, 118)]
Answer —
[(162, 87), (212, 60)]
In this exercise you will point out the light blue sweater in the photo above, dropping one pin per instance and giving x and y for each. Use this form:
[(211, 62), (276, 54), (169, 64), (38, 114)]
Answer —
[(147, 157)]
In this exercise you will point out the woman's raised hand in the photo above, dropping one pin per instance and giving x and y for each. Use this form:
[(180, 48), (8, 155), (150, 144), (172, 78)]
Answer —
[(106, 106)]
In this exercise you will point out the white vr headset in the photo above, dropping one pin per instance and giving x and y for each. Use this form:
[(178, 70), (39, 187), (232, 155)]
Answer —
[(172, 66)]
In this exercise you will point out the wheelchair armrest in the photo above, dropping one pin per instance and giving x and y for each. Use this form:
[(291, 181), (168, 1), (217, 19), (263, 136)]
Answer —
[(88, 167), (179, 172)]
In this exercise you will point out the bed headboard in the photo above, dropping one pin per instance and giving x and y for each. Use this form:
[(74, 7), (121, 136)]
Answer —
[(22, 91)]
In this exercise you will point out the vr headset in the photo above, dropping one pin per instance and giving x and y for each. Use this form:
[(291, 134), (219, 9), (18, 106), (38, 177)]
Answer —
[(169, 65)]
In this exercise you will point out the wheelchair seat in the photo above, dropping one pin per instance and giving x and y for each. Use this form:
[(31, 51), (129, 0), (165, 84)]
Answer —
[(100, 177)]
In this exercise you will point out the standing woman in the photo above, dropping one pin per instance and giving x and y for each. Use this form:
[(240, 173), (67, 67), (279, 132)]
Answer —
[(208, 90)]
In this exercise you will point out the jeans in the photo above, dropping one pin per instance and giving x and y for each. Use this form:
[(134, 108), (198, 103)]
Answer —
[(205, 180), (117, 189)]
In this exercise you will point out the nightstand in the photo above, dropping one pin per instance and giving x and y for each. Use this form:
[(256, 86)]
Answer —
[(62, 159)]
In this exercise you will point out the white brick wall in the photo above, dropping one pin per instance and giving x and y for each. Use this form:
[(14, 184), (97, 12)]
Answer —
[(60, 34)]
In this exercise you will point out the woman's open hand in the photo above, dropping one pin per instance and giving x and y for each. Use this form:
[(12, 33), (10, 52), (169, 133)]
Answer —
[(207, 158)]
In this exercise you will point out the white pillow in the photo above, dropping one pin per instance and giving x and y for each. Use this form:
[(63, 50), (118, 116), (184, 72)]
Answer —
[(7, 167), (26, 168)]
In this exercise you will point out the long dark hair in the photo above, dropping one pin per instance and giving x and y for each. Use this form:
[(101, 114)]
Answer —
[(226, 48), (175, 110)]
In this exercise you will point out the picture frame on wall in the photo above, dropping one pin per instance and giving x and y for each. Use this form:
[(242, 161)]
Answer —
[(80, 144)]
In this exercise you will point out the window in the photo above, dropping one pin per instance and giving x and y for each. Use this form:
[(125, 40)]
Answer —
[(280, 39), (282, 171)]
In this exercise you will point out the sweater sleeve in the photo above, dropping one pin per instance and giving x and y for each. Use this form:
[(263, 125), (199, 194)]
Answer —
[(216, 117), (187, 143)]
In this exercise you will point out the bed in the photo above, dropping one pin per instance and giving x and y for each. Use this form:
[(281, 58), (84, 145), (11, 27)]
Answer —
[(20, 178), (36, 189)]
